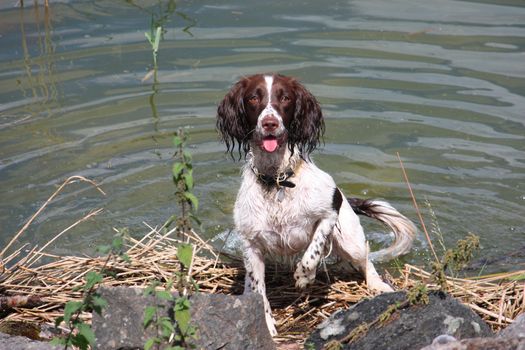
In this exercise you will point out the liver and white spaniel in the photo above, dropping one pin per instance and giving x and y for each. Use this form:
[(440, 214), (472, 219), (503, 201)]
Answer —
[(286, 205)]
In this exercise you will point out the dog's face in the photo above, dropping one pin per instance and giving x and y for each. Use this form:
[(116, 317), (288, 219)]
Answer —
[(270, 112)]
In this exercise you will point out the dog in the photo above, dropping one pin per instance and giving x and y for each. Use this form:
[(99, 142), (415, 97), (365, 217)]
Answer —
[(286, 205)]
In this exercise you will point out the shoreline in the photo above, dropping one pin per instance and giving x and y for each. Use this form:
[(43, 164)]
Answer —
[(497, 298)]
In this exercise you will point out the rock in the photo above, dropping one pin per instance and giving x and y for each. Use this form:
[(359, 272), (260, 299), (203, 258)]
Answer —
[(223, 321), (515, 330), (9, 342), (412, 327), (478, 344)]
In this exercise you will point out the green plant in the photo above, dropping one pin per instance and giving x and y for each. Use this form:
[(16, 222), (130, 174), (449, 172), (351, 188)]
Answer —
[(182, 176), (458, 258), (177, 331), (173, 324), (454, 260), (309, 346), (80, 334), (154, 37), (418, 295), (181, 309), (160, 17), (157, 316)]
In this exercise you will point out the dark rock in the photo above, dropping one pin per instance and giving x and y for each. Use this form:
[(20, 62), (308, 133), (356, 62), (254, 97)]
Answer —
[(478, 344), (223, 321), (412, 327), (9, 342)]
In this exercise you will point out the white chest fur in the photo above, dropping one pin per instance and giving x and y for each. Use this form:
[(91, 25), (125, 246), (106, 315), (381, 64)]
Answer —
[(285, 225)]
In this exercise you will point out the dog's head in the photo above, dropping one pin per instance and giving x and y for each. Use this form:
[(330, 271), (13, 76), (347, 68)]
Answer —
[(270, 112)]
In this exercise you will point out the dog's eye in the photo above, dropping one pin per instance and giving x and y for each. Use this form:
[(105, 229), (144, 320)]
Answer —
[(285, 99), (254, 100)]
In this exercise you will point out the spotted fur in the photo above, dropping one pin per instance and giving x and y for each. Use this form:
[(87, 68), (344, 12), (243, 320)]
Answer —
[(305, 219)]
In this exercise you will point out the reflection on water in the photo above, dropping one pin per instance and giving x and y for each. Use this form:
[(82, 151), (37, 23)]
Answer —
[(38, 82), (443, 85)]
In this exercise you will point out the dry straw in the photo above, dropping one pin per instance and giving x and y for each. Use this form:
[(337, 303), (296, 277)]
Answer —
[(497, 298)]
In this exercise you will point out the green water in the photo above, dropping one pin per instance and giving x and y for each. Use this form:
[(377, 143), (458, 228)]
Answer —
[(440, 82)]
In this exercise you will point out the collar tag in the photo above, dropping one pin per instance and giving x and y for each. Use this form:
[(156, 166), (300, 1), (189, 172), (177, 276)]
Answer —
[(280, 194), (280, 180)]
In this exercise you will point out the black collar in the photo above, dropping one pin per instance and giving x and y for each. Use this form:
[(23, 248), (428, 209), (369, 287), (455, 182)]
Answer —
[(279, 180)]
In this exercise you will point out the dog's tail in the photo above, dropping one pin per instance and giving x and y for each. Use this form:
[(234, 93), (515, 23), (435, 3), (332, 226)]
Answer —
[(404, 230)]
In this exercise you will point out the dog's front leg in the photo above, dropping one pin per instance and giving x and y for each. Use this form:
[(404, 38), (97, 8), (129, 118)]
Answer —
[(254, 281), (306, 268)]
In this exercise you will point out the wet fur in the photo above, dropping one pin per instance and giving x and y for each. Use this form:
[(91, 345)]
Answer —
[(304, 220)]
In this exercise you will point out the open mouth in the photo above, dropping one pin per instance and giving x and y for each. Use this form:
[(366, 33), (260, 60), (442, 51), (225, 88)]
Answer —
[(270, 143)]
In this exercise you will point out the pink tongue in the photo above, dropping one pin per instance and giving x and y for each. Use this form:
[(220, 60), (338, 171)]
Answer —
[(270, 145)]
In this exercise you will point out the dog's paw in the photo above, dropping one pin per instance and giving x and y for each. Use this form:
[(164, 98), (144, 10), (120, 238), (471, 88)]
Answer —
[(302, 276), (379, 286), (302, 282)]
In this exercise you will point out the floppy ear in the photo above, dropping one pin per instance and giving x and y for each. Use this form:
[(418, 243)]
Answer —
[(232, 122), (307, 126)]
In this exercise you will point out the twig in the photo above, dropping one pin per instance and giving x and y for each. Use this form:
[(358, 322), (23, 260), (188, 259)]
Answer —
[(64, 184), (39, 254), (417, 208)]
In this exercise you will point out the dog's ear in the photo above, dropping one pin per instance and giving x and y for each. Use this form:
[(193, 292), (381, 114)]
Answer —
[(307, 127), (232, 122)]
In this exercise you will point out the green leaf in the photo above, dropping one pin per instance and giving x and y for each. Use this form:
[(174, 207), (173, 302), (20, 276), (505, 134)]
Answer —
[(170, 221), (149, 314), (177, 169), (186, 156), (182, 314), (59, 320), (181, 304), (104, 249), (183, 320), (165, 295), (85, 331), (185, 254), (157, 39), (196, 219), (195, 285), (58, 341), (167, 325), (150, 342), (71, 308), (177, 141), (92, 279), (98, 303), (192, 199), (125, 257), (188, 179), (108, 273), (148, 36), (117, 243), (79, 341)]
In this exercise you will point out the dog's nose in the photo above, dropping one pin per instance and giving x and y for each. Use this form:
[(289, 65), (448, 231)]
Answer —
[(270, 123)]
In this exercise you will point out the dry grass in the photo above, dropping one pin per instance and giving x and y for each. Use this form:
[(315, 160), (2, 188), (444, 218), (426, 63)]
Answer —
[(497, 298)]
